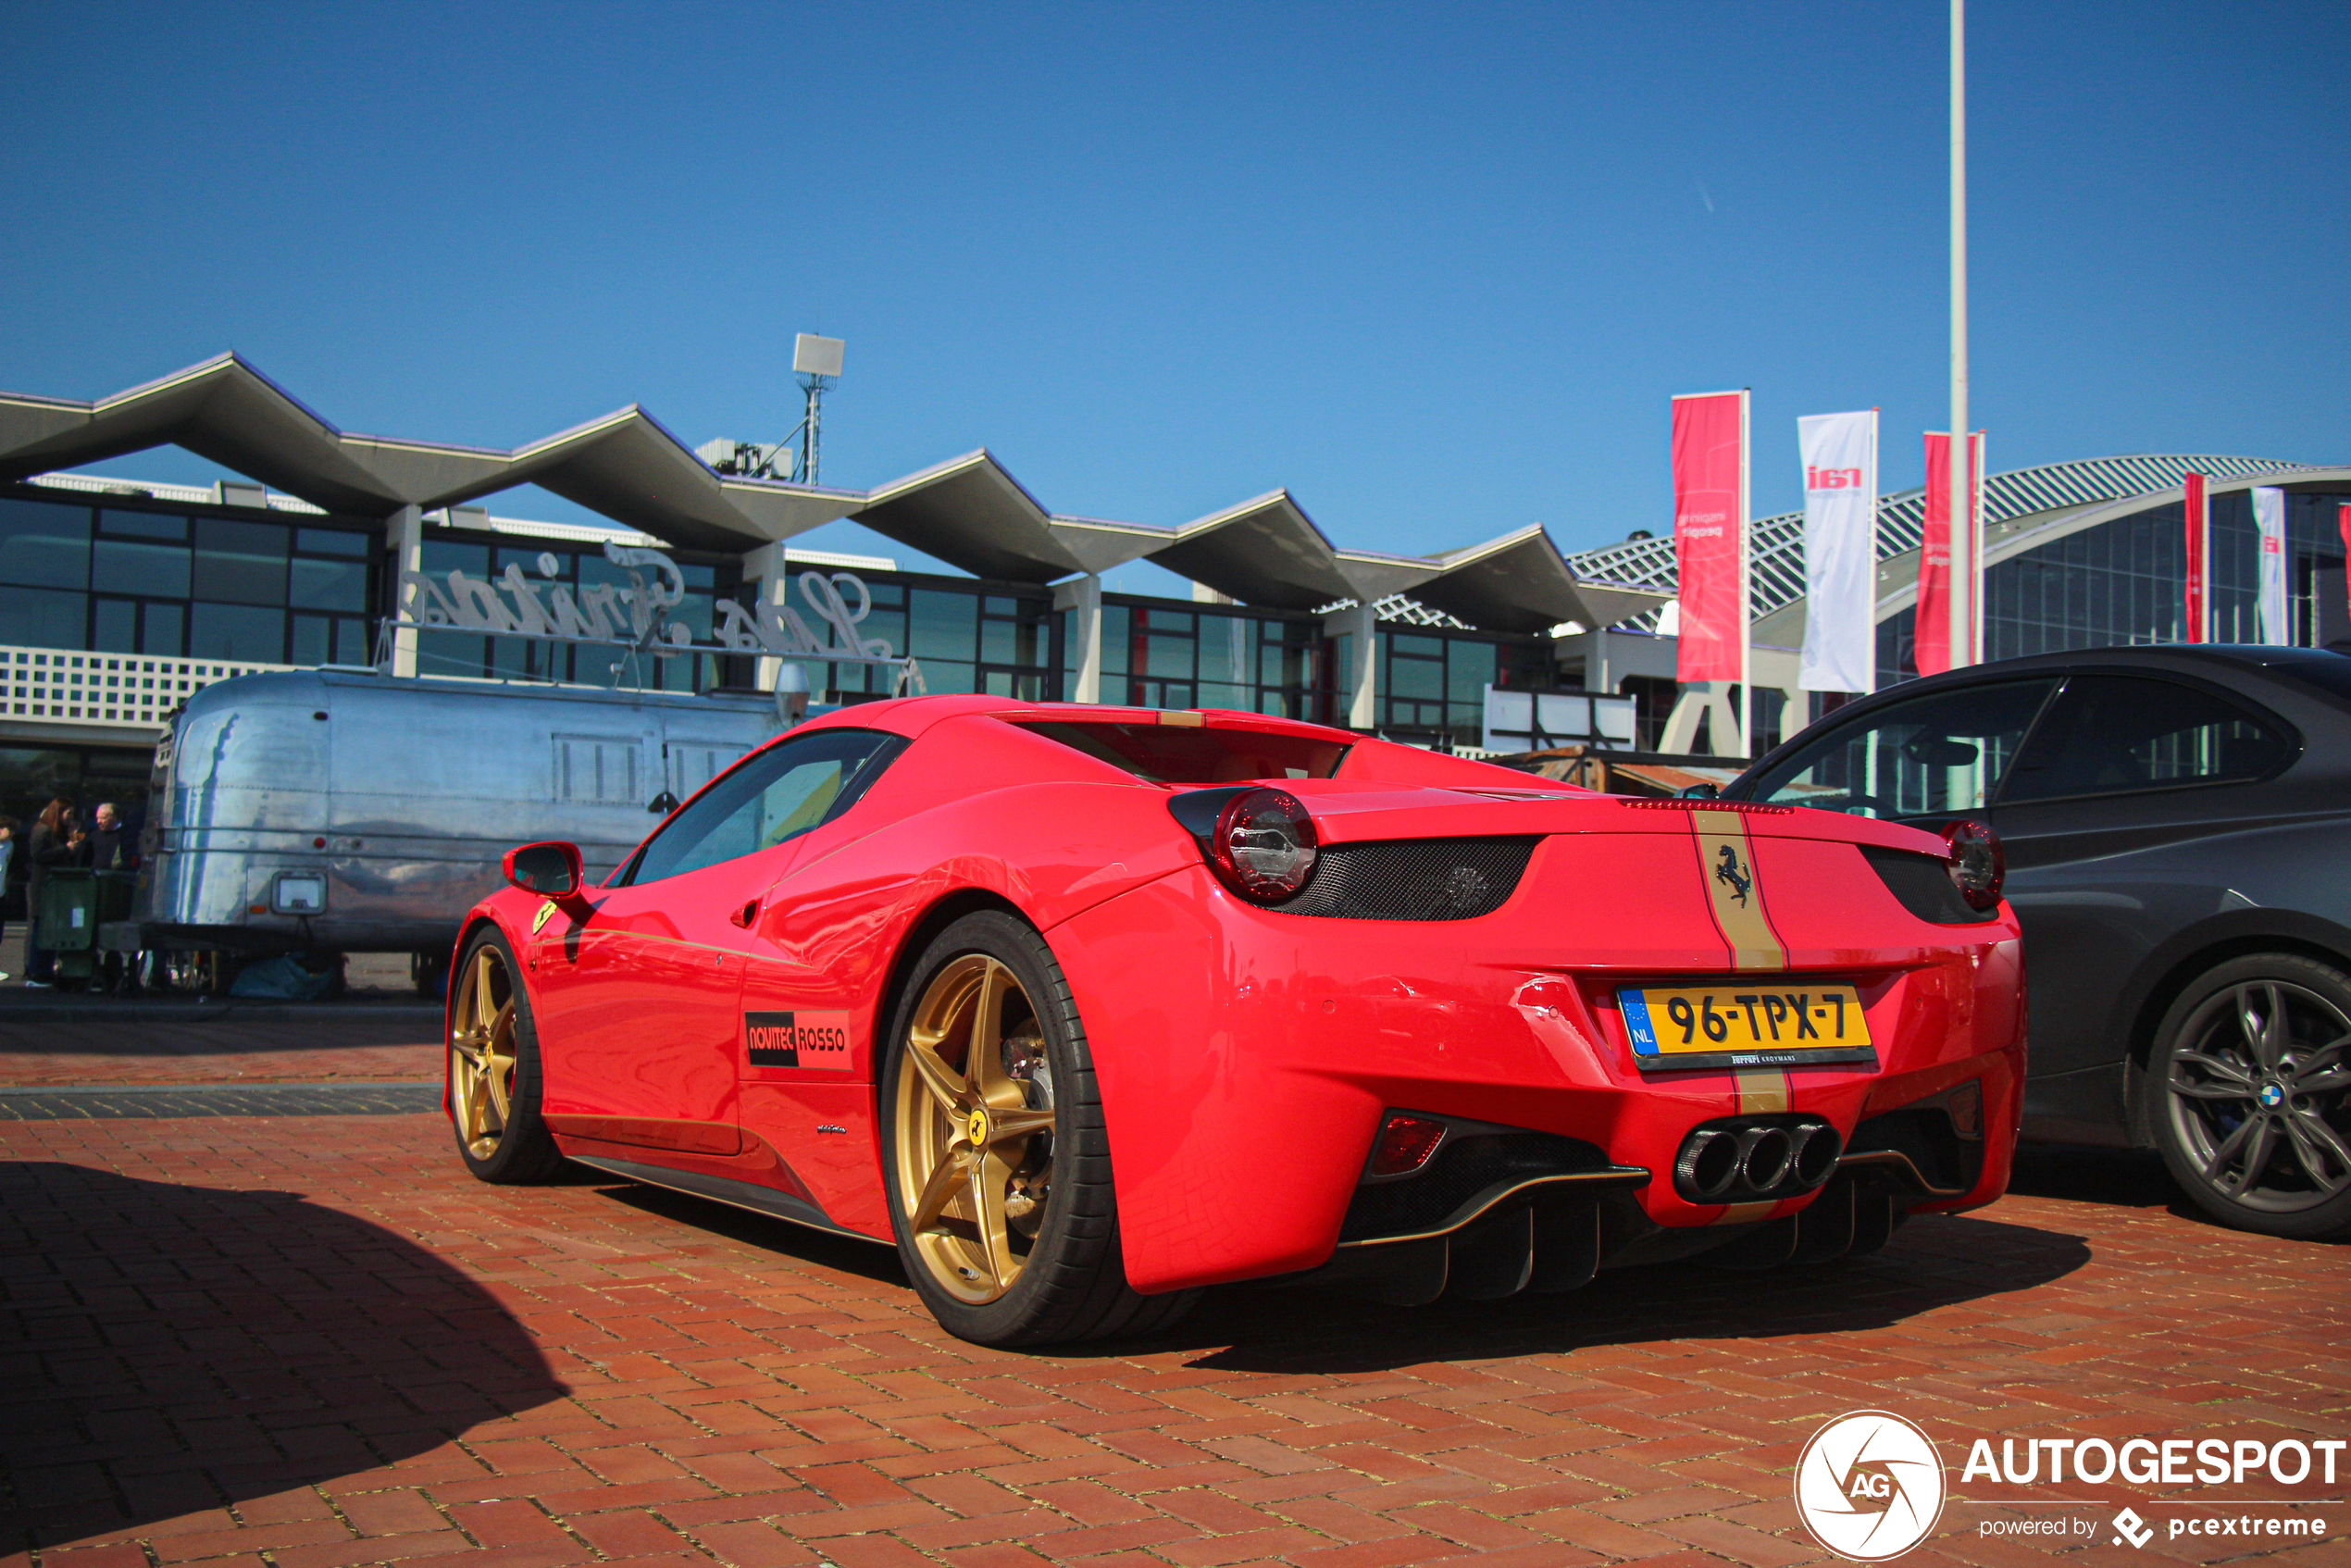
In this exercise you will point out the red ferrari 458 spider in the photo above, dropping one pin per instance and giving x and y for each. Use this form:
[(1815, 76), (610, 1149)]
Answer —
[(1087, 1008)]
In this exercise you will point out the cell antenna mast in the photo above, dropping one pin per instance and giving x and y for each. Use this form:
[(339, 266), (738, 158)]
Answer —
[(817, 361)]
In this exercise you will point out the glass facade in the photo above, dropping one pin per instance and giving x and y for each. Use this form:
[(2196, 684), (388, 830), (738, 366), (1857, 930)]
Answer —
[(1157, 655), (121, 579), (2121, 582), (577, 567)]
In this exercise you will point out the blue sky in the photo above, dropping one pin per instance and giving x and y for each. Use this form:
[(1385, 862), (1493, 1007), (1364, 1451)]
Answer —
[(1436, 268)]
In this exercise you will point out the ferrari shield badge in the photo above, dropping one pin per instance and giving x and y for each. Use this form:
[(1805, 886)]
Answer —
[(546, 913)]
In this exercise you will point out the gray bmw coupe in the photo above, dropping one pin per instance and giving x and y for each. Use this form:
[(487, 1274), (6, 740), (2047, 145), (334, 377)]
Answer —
[(2177, 827)]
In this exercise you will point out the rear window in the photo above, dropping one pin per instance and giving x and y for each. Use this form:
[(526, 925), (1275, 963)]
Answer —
[(1174, 753)]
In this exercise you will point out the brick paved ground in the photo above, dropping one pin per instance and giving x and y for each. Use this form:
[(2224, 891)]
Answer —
[(314, 1342), (114, 1050)]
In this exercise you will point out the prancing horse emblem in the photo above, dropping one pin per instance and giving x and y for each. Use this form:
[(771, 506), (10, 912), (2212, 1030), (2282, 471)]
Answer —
[(1733, 876)]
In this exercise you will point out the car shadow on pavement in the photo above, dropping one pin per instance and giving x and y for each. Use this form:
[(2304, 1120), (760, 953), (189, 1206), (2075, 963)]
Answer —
[(1934, 1260), (877, 1261), (2129, 1178), (173, 1348)]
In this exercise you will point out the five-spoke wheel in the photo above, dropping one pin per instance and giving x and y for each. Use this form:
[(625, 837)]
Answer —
[(975, 1129), (2255, 1114), (493, 1076), (997, 1160)]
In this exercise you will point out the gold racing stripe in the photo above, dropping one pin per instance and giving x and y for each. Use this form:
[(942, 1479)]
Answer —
[(1763, 1091), (1726, 862)]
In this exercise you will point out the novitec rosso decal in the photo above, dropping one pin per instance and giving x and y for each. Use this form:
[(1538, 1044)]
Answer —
[(797, 1039)]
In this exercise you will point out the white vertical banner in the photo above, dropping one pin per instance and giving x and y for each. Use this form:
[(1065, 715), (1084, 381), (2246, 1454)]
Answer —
[(2269, 521), (1840, 551)]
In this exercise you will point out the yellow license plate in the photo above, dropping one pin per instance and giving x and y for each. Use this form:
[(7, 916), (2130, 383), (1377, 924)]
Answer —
[(1754, 1020)]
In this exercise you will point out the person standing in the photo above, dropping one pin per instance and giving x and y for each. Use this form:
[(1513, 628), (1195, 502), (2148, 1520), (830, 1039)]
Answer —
[(55, 840), (111, 847), (7, 853)]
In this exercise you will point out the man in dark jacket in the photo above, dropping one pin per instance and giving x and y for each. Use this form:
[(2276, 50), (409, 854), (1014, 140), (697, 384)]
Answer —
[(54, 841), (110, 846)]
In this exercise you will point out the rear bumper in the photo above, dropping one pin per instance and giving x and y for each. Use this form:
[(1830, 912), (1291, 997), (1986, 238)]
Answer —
[(1246, 1058)]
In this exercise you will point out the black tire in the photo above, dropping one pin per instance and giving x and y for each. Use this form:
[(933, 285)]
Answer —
[(494, 1108), (2255, 1124), (1070, 1281)]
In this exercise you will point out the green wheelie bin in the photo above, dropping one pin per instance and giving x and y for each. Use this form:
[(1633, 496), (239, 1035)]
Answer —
[(74, 902)]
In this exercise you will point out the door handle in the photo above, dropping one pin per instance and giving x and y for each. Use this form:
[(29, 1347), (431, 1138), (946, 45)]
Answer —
[(746, 914)]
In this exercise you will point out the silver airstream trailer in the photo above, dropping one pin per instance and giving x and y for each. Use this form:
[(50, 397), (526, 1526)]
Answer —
[(351, 812)]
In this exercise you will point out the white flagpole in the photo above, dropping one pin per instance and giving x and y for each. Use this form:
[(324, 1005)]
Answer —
[(1747, 626), (1963, 551)]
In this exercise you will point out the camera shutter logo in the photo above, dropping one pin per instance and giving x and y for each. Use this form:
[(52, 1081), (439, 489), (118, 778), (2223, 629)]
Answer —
[(1869, 1486)]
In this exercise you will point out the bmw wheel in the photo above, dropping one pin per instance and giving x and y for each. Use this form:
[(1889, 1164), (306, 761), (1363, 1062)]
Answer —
[(493, 1070), (2253, 1110), (996, 1158)]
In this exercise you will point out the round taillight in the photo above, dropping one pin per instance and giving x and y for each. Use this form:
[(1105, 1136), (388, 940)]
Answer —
[(1978, 864), (1263, 845)]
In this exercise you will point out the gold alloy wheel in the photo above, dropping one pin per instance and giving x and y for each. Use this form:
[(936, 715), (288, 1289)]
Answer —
[(481, 1052), (973, 1129)]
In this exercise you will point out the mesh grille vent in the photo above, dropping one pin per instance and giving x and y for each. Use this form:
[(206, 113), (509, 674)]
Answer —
[(1413, 879)]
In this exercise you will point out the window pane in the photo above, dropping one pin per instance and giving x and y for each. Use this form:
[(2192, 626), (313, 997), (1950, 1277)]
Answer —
[(44, 618), (441, 556), (144, 525), (1167, 658), (1117, 633), (350, 642), (770, 797), (1469, 669), (241, 563), (1224, 648), (114, 625), (232, 631), (1415, 678), (334, 542), (44, 546), (310, 639), (1943, 751), (161, 629), (334, 585), (943, 676), (945, 626), (2110, 733), (126, 565)]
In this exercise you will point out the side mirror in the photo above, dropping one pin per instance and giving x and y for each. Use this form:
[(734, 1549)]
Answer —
[(1699, 792), (552, 870), (662, 804)]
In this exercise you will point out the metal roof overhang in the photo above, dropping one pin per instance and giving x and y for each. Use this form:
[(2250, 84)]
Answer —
[(1521, 582), (625, 466), (1098, 543), (972, 513), (1265, 551)]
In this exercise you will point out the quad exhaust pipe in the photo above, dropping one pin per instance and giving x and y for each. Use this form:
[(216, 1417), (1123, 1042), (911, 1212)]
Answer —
[(1749, 1159)]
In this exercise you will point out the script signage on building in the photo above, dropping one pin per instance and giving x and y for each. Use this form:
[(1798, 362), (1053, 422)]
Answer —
[(514, 605)]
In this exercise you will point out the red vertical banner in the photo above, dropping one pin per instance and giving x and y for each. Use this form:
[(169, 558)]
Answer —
[(1934, 618), (2200, 520), (1709, 535), (2343, 526)]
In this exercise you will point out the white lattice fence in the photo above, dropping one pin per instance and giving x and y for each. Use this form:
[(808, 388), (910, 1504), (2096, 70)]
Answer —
[(128, 691)]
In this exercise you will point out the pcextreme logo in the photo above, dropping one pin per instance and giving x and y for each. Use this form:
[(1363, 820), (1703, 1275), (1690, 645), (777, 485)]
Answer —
[(1869, 1486)]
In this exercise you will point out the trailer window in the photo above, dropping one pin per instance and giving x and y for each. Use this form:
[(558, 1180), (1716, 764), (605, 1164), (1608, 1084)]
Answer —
[(770, 797)]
